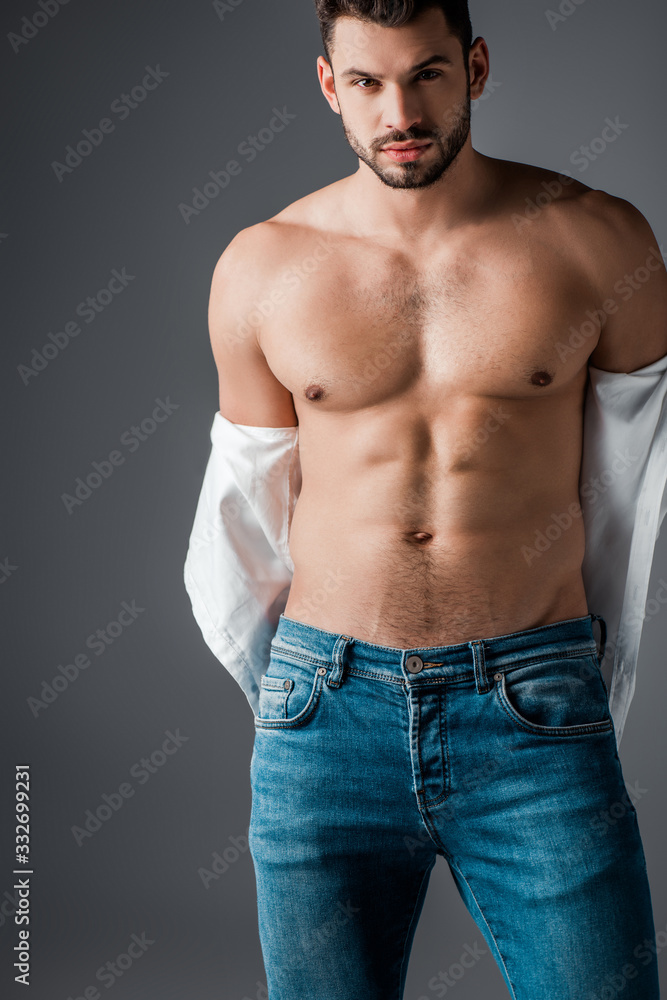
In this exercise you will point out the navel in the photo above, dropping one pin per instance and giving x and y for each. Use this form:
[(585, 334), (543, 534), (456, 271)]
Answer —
[(421, 536), (314, 391), (541, 378)]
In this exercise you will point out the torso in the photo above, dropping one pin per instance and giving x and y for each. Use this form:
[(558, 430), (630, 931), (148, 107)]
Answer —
[(440, 408)]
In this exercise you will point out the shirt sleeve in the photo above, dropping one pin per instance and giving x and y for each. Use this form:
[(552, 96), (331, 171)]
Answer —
[(622, 488), (238, 568)]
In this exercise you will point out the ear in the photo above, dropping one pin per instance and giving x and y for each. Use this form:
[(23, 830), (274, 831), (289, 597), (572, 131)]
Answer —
[(325, 74), (479, 66)]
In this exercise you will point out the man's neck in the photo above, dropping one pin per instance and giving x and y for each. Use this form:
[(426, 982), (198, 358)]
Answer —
[(421, 215)]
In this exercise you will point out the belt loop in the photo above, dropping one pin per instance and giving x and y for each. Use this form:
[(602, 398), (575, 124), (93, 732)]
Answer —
[(603, 633), (481, 679), (335, 677)]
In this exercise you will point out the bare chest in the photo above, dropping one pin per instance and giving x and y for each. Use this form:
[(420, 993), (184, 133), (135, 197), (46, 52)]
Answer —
[(363, 329)]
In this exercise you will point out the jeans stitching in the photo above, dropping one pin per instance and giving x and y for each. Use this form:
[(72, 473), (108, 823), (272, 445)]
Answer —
[(444, 757), (432, 803), (547, 658), (491, 638), (511, 985), (578, 730), (445, 740), (417, 728), (299, 719), (303, 657), (360, 671), (469, 675)]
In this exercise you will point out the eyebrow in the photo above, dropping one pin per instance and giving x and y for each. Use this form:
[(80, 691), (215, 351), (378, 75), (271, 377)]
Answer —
[(415, 69)]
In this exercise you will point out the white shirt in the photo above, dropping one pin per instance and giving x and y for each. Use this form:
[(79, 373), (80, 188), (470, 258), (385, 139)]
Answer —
[(238, 568)]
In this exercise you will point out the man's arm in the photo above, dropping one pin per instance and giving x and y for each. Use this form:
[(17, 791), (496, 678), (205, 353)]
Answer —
[(249, 391), (632, 287)]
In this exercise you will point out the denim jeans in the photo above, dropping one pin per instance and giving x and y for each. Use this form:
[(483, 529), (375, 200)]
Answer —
[(499, 754)]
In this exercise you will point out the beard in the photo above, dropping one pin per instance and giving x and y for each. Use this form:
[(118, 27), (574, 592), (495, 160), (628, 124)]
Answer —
[(447, 143)]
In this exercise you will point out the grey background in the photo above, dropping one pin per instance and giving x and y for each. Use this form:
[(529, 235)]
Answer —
[(127, 541)]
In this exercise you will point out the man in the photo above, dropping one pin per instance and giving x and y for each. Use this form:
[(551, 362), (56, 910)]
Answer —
[(434, 683)]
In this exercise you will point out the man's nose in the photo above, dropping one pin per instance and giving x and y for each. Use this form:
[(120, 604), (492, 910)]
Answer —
[(401, 111)]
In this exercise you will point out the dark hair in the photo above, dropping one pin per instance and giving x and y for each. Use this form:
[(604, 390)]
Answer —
[(393, 14)]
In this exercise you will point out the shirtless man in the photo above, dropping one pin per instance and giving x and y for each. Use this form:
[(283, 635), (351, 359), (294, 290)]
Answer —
[(432, 364)]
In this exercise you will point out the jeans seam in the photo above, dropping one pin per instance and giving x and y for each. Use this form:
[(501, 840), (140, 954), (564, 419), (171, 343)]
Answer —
[(562, 731), (303, 657), (298, 720), (444, 732), (468, 675), (544, 658), (374, 675), (506, 635), (511, 985), (444, 758)]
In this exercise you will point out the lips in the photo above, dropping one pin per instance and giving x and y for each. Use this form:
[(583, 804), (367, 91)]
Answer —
[(404, 152), (407, 145)]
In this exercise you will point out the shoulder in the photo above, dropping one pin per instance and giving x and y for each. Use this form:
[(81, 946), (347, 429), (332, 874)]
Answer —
[(591, 218), (618, 245), (615, 219), (245, 272), (603, 233), (627, 265), (553, 194), (259, 251), (536, 188), (252, 272)]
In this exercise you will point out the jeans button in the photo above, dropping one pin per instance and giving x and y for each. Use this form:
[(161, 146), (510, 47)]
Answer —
[(414, 664)]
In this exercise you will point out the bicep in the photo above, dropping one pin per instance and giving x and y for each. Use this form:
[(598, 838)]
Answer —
[(249, 392)]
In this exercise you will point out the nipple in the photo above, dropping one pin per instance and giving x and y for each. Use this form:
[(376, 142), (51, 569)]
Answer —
[(314, 391), (541, 378)]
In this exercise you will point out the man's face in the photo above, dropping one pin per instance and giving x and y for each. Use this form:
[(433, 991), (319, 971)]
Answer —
[(389, 101)]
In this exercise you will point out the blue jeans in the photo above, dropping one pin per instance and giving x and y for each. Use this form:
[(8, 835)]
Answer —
[(499, 754)]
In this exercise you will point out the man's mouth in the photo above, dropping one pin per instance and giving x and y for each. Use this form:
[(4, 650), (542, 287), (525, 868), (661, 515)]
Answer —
[(403, 152)]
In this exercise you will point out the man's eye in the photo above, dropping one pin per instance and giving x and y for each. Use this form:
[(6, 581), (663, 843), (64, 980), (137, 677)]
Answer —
[(360, 83)]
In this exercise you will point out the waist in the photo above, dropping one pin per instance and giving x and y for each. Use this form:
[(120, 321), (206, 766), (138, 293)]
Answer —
[(454, 661), (396, 580)]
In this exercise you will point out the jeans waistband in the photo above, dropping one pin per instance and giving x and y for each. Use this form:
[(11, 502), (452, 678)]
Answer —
[(424, 664)]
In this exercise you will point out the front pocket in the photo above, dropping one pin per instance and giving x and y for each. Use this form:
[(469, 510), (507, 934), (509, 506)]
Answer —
[(563, 696), (290, 691)]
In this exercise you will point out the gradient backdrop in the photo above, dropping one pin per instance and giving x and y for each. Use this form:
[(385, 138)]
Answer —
[(218, 72)]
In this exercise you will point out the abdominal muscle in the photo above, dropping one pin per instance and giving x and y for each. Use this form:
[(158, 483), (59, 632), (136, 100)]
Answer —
[(409, 533)]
